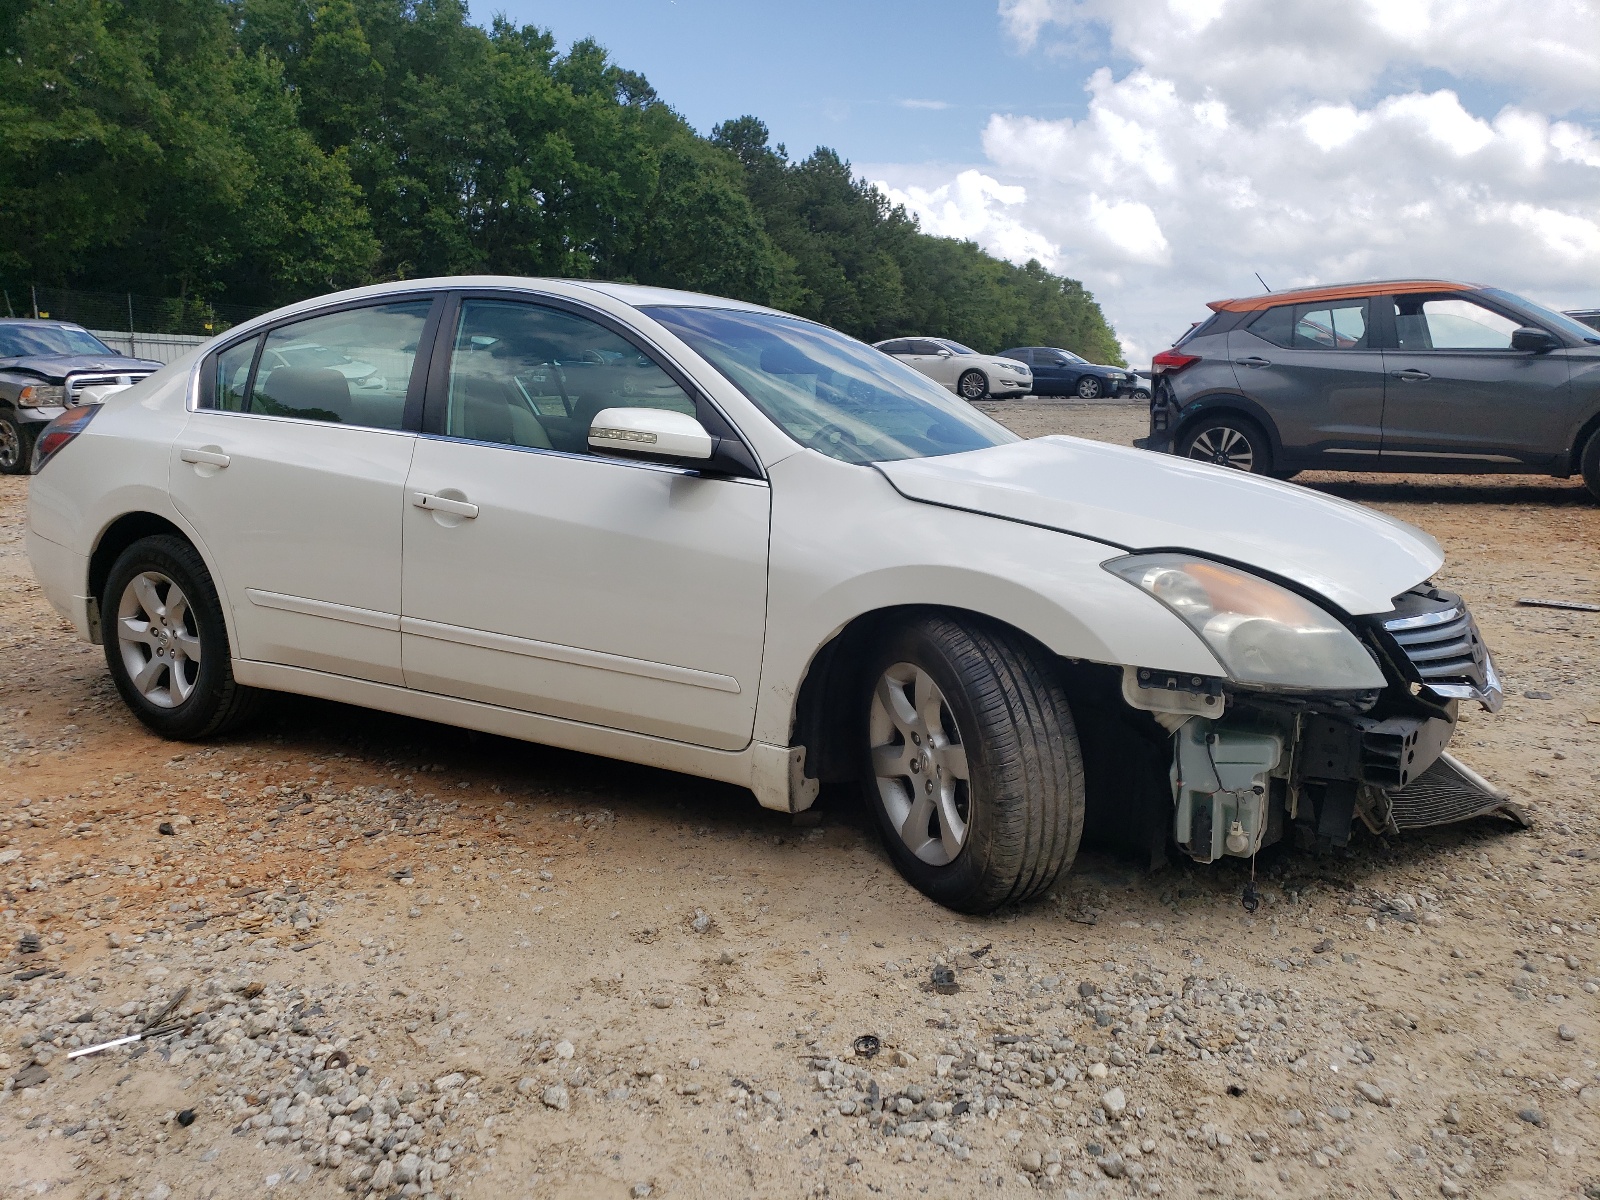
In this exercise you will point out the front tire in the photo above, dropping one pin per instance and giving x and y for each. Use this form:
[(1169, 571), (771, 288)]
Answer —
[(16, 445), (971, 762), (1089, 388), (1228, 441), (973, 385), (1590, 464), (166, 644)]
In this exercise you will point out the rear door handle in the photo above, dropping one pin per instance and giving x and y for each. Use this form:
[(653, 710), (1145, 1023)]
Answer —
[(1411, 375), (210, 458), (456, 508), (1254, 360)]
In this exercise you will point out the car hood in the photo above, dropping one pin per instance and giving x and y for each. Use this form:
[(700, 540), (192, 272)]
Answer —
[(59, 366), (1135, 500)]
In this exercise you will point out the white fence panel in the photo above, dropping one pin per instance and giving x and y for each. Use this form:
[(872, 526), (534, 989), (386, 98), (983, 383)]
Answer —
[(161, 347)]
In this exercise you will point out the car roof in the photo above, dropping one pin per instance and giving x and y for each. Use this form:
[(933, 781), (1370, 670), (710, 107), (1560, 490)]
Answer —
[(49, 324), (1340, 291)]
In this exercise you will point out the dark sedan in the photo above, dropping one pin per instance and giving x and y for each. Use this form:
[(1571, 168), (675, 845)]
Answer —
[(1058, 372)]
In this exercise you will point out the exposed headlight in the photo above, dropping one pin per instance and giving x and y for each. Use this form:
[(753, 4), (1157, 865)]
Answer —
[(1262, 633), (42, 395)]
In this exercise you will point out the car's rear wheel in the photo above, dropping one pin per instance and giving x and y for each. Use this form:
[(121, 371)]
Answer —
[(16, 445), (166, 644), (1228, 441), (972, 763), (973, 385), (1589, 463), (1089, 388)]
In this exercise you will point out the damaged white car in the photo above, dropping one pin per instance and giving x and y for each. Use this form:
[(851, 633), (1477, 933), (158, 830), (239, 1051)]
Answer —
[(722, 540)]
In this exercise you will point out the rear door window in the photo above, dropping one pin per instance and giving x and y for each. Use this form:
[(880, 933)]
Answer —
[(1341, 325), (351, 367)]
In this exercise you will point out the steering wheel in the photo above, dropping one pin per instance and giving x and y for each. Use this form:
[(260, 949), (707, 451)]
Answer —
[(829, 436)]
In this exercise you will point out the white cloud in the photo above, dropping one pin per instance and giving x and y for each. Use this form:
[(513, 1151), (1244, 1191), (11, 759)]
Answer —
[(1259, 135), (973, 207)]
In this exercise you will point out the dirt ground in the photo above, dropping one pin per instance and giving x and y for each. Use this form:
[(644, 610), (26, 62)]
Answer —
[(423, 962)]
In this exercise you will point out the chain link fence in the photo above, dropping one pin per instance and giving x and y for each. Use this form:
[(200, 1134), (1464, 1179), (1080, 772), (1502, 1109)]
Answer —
[(127, 313)]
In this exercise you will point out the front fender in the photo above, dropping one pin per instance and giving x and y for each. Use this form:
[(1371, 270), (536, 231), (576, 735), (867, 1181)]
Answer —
[(846, 544)]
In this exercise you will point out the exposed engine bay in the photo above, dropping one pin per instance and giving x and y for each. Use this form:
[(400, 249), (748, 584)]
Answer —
[(1245, 767)]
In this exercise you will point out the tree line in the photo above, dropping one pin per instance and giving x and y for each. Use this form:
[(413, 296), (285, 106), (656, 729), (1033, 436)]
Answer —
[(262, 151)]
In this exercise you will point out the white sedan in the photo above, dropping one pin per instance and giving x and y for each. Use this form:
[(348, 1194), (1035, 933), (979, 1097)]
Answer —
[(968, 374), (722, 540)]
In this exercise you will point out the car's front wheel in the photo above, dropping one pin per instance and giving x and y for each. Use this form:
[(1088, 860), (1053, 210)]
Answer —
[(972, 385), (1089, 388), (166, 644), (972, 763), (1589, 464), (1228, 441), (16, 445)]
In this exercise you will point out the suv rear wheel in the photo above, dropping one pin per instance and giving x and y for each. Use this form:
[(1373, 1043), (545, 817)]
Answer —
[(972, 763), (1228, 441), (166, 644)]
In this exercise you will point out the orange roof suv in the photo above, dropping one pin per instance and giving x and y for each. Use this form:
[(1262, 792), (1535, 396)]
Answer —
[(1396, 375)]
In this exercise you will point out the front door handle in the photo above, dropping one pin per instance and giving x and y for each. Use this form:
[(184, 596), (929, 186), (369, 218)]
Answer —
[(456, 508), (1255, 360), (1411, 375), (209, 458)]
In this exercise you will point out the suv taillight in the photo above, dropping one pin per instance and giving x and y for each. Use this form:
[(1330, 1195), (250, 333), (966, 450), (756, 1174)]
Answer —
[(61, 431), (1170, 362)]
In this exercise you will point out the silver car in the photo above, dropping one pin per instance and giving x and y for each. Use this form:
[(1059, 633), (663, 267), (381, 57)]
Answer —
[(968, 374)]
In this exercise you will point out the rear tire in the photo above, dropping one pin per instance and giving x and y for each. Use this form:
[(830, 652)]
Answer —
[(976, 717), (166, 644), (16, 445), (1590, 464), (973, 385), (1226, 440)]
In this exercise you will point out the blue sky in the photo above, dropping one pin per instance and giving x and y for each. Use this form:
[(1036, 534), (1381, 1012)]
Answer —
[(879, 82)]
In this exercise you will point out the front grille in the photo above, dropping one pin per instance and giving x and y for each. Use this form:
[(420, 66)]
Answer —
[(1438, 637), (86, 389)]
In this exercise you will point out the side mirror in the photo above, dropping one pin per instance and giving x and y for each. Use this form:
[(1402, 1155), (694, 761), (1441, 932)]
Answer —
[(658, 433), (945, 353), (1535, 340)]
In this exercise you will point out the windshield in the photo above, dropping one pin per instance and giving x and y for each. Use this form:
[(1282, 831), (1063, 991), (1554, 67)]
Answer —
[(830, 392), (1074, 358), (23, 341), (957, 346), (1549, 316)]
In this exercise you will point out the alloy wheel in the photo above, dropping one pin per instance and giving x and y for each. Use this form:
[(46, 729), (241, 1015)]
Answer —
[(1224, 446), (920, 761), (973, 386), (159, 639), (10, 446), (1089, 388)]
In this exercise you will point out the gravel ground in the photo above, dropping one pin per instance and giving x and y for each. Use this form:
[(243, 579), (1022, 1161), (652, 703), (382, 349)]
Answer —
[(402, 959)]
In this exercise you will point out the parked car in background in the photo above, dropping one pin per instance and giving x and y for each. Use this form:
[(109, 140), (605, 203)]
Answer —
[(1058, 372), (968, 374), (1397, 375), (1586, 316), (47, 367), (797, 561)]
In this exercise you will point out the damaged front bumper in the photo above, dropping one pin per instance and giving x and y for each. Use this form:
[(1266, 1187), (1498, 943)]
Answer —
[(1248, 766)]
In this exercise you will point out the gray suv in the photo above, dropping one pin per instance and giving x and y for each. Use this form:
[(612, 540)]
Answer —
[(1400, 375)]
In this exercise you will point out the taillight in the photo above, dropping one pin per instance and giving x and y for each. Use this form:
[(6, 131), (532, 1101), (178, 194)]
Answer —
[(1170, 362), (61, 431)]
